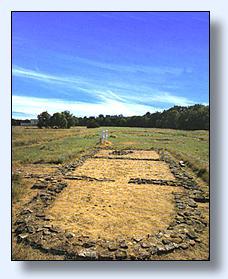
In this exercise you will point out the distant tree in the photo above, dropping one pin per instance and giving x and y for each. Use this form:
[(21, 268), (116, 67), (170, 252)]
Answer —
[(16, 122), (178, 117), (70, 118), (91, 123), (76, 121), (58, 120), (43, 119)]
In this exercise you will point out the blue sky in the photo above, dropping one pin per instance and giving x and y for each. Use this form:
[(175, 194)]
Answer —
[(108, 62)]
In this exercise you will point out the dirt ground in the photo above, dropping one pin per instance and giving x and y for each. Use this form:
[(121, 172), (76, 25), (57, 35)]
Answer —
[(123, 170), (113, 209)]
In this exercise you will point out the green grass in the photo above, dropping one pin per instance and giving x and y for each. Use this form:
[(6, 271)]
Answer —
[(190, 146), (52, 146), (32, 145)]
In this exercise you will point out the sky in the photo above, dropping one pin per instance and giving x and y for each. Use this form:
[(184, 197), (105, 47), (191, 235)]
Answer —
[(93, 63)]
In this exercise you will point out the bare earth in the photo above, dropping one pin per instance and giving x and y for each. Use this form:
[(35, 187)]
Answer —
[(112, 209)]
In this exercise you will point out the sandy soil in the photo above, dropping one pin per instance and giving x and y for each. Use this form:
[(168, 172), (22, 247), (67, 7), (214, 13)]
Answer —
[(116, 209), (123, 170), (100, 209)]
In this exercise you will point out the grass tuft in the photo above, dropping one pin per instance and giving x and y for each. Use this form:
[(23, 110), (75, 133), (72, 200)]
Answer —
[(17, 189)]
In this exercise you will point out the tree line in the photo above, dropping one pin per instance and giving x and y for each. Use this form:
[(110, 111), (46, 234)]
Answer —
[(194, 117)]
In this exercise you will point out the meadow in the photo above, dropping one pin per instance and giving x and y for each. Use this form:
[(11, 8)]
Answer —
[(32, 145)]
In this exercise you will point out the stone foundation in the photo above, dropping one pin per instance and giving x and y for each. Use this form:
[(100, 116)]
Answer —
[(33, 225)]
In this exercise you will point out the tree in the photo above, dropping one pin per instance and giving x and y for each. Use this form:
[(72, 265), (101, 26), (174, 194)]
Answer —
[(58, 120), (43, 119), (91, 123), (70, 118)]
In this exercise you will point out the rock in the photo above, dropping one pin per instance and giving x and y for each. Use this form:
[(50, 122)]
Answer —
[(201, 198), (159, 235), (192, 242), (21, 229), (177, 240), (69, 235), (184, 246), (46, 232), (26, 211), (30, 229), (88, 254), (166, 241), (161, 249), (39, 229), (106, 255), (123, 244), (169, 247), (153, 250), (22, 236), (143, 254), (191, 235), (112, 246), (54, 229), (191, 203), (145, 244), (40, 215), (137, 238), (20, 221), (89, 244), (121, 255), (39, 185)]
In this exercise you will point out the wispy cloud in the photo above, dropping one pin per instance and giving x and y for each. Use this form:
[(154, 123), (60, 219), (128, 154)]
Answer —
[(31, 74), (112, 98), (109, 106), (130, 68)]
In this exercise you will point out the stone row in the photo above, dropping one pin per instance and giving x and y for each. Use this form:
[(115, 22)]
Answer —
[(121, 152), (160, 182), (125, 158), (88, 178)]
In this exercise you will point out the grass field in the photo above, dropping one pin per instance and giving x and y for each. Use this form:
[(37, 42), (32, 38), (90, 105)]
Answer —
[(31, 145), (41, 151)]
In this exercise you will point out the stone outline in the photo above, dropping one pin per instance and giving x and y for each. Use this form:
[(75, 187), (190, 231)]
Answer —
[(184, 231)]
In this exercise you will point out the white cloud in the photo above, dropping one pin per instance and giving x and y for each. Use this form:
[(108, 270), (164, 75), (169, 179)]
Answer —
[(172, 99), (162, 97), (113, 98), (109, 106)]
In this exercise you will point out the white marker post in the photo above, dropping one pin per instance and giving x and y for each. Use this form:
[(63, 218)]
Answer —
[(106, 135), (102, 136)]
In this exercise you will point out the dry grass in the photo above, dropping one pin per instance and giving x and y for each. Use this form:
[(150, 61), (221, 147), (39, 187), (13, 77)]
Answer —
[(108, 210), (23, 253), (123, 170), (39, 169)]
